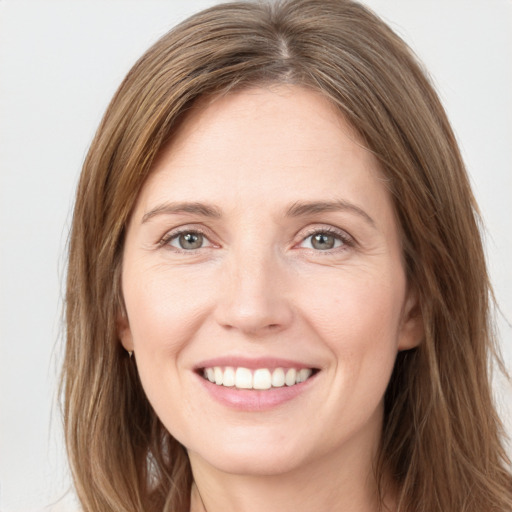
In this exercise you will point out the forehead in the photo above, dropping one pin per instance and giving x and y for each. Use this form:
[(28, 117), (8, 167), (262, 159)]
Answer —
[(278, 143)]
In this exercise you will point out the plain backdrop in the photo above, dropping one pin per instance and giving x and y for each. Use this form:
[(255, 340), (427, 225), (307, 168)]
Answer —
[(60, 63)]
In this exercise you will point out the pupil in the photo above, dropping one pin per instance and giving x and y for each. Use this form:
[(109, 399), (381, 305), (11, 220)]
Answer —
[(323, 241), (191, 240)]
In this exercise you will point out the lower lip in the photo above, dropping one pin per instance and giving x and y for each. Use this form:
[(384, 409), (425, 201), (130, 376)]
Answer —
[(254, 400)]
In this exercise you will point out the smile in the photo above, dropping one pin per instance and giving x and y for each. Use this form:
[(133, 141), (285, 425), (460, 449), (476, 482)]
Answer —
[(260, 378)]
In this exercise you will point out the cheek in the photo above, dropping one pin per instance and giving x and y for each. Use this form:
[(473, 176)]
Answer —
[(164, 308), (361, 334), (165, 312), (359, 322), (355, 306)]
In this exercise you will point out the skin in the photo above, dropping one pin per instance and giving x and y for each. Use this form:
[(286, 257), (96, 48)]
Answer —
[(257, 287)]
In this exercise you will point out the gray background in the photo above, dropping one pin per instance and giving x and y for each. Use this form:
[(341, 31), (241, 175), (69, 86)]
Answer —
[(60, 63)]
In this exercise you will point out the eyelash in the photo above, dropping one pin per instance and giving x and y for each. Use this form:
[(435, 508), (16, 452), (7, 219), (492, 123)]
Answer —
[(172, 235), (345, 239)]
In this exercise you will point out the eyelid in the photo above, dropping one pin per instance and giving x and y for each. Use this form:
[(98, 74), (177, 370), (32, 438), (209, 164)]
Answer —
[(347, 239), (179, 230)]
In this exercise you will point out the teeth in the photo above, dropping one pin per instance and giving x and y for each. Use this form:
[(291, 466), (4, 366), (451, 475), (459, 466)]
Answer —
[(278, 378), (303, 375), (229, 377), (217, 372), (210, 374), (290, 377), (262, 378), (243, 378)]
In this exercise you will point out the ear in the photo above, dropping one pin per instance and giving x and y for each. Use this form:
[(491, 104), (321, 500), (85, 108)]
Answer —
[(124, 332), (412, 331)]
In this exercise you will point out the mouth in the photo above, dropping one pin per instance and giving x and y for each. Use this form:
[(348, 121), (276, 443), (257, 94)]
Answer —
[(258, 379)]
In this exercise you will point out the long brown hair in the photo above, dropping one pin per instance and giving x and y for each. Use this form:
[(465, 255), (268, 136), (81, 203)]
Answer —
[(441, 440)]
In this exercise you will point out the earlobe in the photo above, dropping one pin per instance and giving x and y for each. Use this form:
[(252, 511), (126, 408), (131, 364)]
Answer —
[(412, 331), (124, 332)]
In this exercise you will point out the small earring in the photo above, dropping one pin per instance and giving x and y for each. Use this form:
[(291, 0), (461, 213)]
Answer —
[(130, 353)]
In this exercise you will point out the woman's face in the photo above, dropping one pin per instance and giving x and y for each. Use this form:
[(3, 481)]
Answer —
[(263, 250)]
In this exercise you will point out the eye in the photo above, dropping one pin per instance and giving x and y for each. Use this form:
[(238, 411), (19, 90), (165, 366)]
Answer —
[(186, 240), (325, 240)]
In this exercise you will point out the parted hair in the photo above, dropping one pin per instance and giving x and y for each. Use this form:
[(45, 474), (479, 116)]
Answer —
[(442, 441)]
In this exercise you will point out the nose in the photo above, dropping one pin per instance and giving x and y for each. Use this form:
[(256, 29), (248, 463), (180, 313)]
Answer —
[(253, 296)]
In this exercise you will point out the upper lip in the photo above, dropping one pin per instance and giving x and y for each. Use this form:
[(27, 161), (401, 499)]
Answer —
[(253, 363)]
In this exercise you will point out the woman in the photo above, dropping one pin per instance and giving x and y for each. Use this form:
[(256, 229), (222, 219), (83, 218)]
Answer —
[(277, 294)]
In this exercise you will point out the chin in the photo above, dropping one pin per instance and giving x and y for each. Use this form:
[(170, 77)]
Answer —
[(257, 458)]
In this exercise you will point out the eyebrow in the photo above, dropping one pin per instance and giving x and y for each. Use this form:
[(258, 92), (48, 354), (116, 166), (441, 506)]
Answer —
[(297, 209), (202, 209), (300, 209)]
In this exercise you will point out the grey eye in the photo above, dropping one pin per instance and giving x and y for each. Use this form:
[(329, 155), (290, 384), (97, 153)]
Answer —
[(323, 241), (188, 241)]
